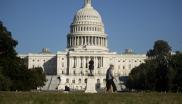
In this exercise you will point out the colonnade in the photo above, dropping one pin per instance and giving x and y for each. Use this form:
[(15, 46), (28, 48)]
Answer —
[(82, 62), (86, 40), (86, 28)]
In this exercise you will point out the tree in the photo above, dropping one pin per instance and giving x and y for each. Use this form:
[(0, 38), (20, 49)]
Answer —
[(7, 43), (176, 65), (160, 47), (37, 77), (161, 72), (14, 75)]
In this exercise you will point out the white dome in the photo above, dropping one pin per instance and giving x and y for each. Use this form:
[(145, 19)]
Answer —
[(87, 14), (87, 30)]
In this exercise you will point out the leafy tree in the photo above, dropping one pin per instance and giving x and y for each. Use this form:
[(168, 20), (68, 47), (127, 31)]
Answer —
[(7, 43), (160, 47), (14, 75), (37, 77), (176, 64), (161, 72)]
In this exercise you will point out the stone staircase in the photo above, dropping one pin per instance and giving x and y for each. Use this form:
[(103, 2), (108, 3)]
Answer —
[(51, 83), (119, 84), (54, 83)]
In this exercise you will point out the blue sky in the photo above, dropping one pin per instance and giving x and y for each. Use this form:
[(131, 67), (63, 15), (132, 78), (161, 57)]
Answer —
[(135, 24)]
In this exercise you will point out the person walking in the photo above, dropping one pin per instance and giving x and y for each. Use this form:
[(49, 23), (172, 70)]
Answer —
[(109, 79)]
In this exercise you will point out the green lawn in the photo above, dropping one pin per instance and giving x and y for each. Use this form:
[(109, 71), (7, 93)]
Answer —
[(82, 98)]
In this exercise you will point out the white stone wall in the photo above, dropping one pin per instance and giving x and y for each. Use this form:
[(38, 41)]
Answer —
[(46, 61)]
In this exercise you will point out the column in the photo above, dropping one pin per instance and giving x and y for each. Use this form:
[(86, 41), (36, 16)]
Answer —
[(86, 62), (92, 40), (71, 65), (88, 40), (99, 61), (70, 41), (85, 40), (101, 41), (95, 65), (106, 42), (102, 62), (78, 62), (73, 40), (83, 60), (81, 40), (98, 42)]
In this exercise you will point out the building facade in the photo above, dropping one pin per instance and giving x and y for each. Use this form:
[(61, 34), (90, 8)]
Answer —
[(87, 39)]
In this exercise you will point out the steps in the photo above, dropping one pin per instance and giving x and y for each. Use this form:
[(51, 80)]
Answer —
[(51, 84)]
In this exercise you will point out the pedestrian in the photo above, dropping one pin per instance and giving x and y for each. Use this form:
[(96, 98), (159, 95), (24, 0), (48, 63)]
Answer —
[(109, 79)]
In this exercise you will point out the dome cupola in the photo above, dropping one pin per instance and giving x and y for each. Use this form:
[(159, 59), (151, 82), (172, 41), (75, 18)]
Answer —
[(87, 30)]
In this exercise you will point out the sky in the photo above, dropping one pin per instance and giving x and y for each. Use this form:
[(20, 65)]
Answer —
[(134, 24)]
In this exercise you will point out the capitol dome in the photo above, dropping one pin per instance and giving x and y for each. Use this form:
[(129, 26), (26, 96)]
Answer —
[(88, 13), (87, 29)]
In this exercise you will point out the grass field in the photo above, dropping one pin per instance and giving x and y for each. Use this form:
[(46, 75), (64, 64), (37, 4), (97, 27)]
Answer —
[(82, 98)]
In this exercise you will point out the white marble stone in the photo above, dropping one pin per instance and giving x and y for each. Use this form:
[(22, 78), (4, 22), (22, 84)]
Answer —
[(91, 85)]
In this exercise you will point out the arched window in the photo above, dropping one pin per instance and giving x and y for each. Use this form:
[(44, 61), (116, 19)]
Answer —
[(85, 80), (81, 29), (84, 29), (98, 80), (67, 80), (79, 81), (73, 81), (74, 72)]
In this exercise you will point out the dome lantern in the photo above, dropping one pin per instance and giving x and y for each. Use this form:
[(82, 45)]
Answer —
[(88, 3)]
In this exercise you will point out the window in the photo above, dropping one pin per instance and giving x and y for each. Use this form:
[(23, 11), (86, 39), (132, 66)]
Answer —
[(98, 80), (74, 72), (85, 80), (130, 66), (62, 64), (123, 67), (104, 80), (79, 81), (73, 81), (67, 80), (118, 66), (81, 66), (81, 73)]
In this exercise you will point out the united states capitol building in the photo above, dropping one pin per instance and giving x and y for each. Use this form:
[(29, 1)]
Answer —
[(85, 40)]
